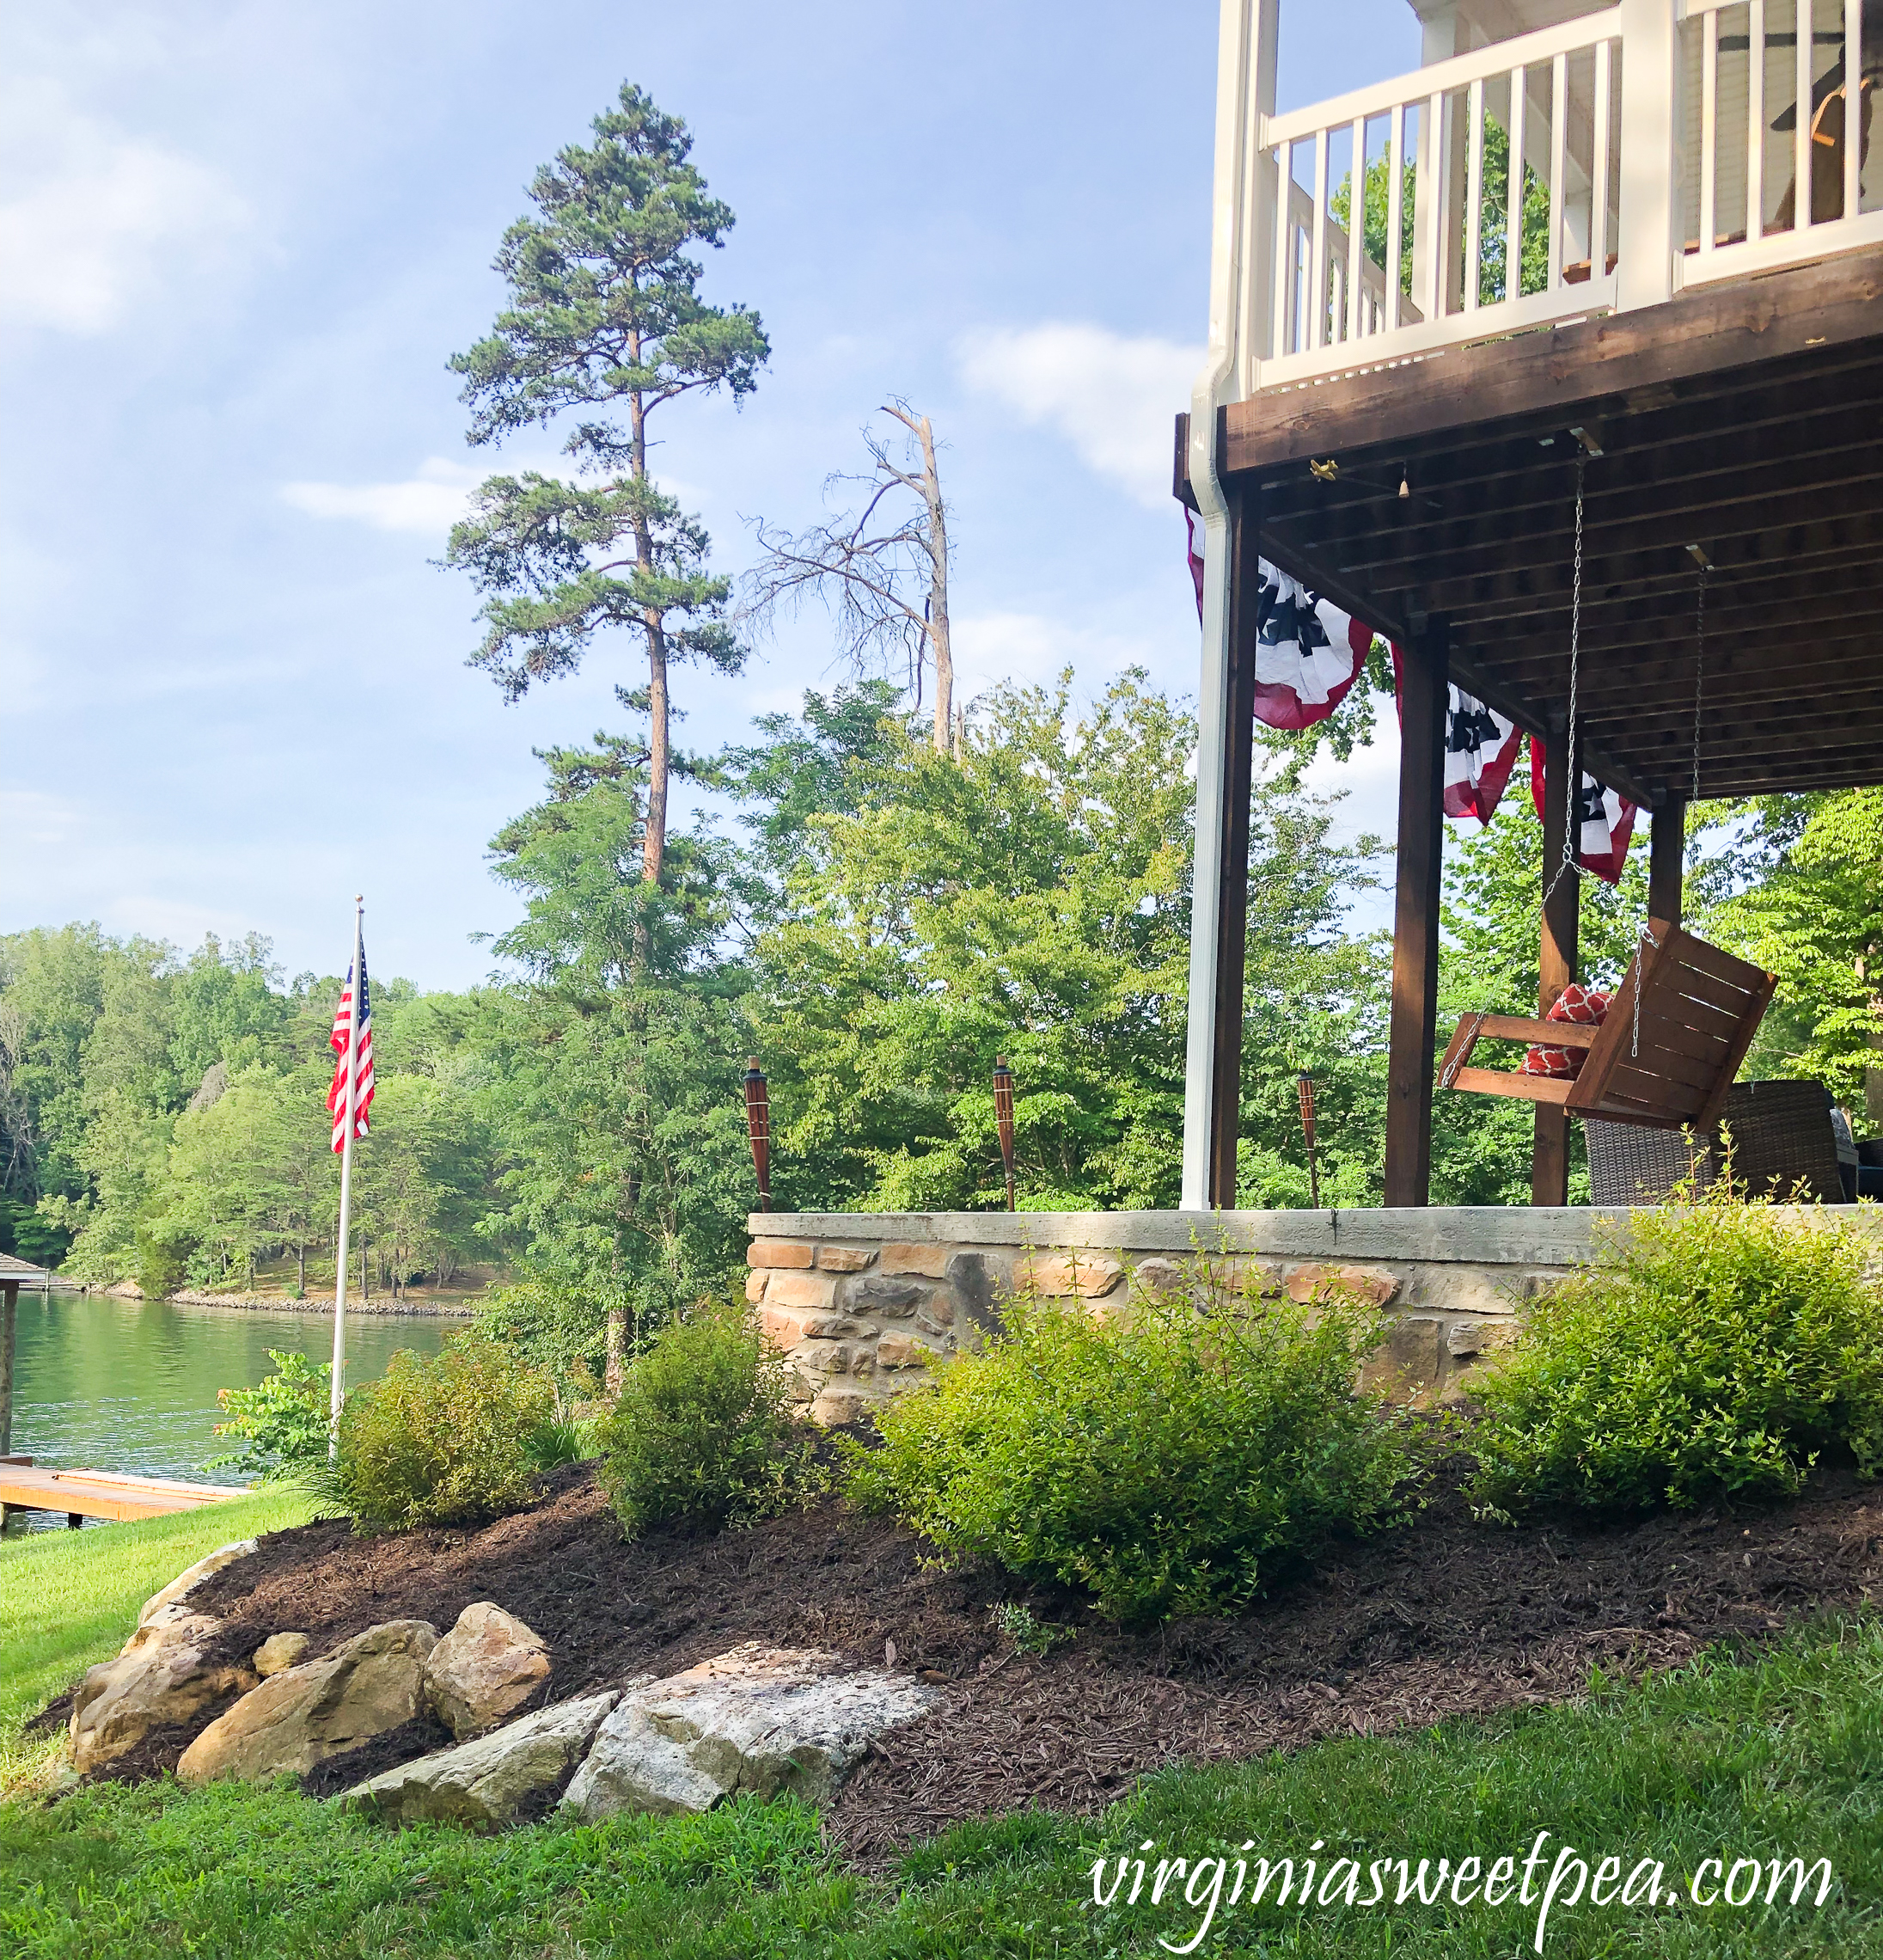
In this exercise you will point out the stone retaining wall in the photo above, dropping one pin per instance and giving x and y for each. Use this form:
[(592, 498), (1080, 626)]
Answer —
[(858, 1302)]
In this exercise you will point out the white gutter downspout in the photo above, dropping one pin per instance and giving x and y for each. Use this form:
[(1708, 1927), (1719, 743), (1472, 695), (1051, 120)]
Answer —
[(1245, 36)]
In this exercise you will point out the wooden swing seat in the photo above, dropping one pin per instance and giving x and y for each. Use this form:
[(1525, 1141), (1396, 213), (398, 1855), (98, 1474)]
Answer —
[(1700, 1008)]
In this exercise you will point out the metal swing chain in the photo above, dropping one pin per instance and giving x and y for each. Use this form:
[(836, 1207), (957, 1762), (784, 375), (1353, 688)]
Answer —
[(1648, 939), (1572, 823), (1699, 675)]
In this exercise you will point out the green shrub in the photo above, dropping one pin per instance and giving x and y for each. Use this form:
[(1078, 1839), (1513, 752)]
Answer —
[(702, 1434), (1172, 1463), (439, 1440), (1714, 1349), (282, 1423)]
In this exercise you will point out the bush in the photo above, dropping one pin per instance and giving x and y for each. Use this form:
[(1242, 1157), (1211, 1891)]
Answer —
[(281, 1423), (1712, 1350), (702, 1434), (1170, 1464), (444, 1440)]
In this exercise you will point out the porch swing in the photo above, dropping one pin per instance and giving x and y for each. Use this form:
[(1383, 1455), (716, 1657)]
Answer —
[(1681, 1022)]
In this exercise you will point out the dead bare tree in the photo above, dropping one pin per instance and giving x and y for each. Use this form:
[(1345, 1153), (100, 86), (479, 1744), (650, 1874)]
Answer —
[(885, 569)]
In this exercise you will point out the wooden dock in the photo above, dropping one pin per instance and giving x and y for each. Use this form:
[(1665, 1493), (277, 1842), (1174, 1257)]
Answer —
[(99, 1493)]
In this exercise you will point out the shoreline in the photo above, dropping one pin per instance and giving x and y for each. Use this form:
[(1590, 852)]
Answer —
[(266, 1303)]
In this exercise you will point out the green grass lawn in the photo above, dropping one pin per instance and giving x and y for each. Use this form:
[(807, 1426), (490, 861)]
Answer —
[(68, 1600), (1719, 1761)]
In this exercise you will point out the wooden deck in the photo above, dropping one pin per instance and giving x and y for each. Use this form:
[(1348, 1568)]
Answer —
[(101, 1493)]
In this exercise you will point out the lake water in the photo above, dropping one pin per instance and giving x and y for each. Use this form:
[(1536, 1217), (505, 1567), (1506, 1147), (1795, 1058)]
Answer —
[(129, 1385)]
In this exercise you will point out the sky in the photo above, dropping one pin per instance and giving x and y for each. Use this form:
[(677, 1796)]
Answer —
[(239, 243)]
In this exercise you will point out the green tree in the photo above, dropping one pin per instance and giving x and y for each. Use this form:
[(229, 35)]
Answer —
[(222, 1187), (1815, 919), (605, 315), (226, 1009), (1031, 899), (614, 1063)]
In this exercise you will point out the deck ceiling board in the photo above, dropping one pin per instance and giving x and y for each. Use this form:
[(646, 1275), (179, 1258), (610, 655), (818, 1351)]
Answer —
[(1807, 453), (1487, 467), (1747, 420)]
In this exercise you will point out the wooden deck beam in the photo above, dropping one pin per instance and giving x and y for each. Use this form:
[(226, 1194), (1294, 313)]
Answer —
[(1548, 373), (1412, 1037)]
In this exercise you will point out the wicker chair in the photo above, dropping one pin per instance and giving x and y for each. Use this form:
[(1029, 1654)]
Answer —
[(1780, 1136)]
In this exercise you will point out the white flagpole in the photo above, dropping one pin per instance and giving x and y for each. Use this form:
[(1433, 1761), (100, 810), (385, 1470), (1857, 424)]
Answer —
[(337, 1377)]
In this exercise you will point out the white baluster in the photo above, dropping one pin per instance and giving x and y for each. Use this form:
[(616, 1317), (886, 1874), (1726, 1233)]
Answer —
[(1604, 113), (1395, 139), (1853, 107), (1513, 186), (1755, 120), (1474, 189), (1709, 89), (1559, 119), (1284, 250), (1356, 231), (1318, 332), (1801, 139)]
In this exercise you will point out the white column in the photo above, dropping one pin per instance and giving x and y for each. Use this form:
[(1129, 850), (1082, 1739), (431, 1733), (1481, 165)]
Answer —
[(1245, 55), (1645, 242)]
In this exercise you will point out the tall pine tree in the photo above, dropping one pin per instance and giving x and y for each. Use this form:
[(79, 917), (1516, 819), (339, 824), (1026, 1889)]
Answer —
[(605, 321)]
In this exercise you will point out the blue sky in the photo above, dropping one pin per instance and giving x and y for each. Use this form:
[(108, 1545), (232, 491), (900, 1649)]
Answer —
[(240, 244)]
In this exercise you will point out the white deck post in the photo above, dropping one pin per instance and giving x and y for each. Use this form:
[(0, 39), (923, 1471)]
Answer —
[(1645, 242), (1238, 293)]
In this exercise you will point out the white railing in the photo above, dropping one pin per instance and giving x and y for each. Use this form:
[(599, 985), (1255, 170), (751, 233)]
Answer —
[(1743, 208), (1590, 219)]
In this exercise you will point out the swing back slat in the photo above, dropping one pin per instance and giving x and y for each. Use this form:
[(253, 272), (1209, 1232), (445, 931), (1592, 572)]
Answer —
[(1671, 1065)]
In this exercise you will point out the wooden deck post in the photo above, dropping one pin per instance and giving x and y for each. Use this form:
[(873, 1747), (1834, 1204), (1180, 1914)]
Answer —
[(1666, 860), (9, 1315), (1233, 908), (1411, 1038), (1555, 967)]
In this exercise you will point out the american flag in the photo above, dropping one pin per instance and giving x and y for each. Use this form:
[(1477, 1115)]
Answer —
[(363, 1093)]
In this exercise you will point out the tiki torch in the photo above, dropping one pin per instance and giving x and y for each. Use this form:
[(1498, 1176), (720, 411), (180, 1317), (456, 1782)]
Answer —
[(1003, 1118), (758, 1127), (1305, 1085)]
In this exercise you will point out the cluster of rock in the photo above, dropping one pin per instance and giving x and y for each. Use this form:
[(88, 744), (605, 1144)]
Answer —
[(758, 1719), (858, 1322)]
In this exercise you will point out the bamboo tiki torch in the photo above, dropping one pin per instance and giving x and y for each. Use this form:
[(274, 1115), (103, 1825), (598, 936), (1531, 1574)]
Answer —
[(1305, 1085), (1003, 1118), (758, 1127)]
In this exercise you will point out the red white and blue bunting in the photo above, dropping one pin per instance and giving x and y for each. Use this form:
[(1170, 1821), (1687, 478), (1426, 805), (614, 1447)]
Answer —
[(1606, 820), (1308, 651)]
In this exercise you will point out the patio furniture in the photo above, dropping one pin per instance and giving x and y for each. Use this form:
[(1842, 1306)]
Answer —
[(1782, 1141), (1677, 1030)]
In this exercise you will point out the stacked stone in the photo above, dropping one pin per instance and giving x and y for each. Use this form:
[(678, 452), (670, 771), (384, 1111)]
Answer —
[(861, 1323)]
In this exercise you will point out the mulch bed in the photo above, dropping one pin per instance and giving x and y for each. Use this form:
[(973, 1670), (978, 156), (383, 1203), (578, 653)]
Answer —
[(1444, 1616)]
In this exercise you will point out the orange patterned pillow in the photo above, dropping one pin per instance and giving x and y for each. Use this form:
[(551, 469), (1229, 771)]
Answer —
[(1582, 1004)]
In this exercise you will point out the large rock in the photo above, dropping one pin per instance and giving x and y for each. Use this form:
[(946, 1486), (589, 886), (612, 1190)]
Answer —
[(484, 1669), (758, 1719), (159, 1677), (187, 1581), (371, 1683), (500, 1778)]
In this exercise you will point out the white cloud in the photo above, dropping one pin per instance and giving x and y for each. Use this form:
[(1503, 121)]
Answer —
[(1112, 397), (428, 502), (93, 218)]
